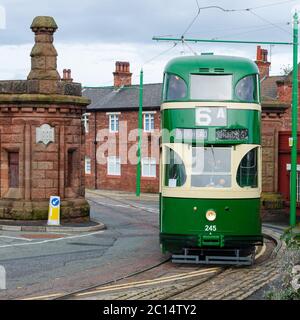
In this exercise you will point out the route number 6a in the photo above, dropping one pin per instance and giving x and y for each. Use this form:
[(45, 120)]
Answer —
[(210, 227), (211, 116)]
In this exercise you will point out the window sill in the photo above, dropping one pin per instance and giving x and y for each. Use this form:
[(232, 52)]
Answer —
[(149, 178), (114, 176)]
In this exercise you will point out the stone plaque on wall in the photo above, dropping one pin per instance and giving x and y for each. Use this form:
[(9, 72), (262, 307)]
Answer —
[(45, 134)]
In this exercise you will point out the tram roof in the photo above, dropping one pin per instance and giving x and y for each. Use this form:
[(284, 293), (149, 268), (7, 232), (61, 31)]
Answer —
[(214, 64)]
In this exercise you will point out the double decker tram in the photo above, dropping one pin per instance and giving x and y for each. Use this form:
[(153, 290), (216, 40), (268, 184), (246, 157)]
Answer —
[(210, 174)]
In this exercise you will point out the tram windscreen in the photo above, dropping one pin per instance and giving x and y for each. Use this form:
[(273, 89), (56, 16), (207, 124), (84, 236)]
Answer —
[(211, 87), (211, 167)]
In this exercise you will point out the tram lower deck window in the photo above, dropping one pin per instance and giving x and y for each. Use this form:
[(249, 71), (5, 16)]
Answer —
[(175, 174), (247, 175)]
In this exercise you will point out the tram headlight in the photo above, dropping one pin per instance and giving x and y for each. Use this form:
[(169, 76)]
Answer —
[(211, 215)]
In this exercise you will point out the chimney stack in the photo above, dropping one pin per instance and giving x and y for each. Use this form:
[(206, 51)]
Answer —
[(122, 75), (262, 62)]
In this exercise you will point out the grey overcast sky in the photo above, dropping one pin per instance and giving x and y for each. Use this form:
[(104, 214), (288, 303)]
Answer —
[(92, 34)]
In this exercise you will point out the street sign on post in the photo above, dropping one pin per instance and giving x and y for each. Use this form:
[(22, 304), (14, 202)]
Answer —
[(54, 211)]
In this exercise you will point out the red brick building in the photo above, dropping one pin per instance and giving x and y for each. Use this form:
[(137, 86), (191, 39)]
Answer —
[(114, 117), (120, 103)]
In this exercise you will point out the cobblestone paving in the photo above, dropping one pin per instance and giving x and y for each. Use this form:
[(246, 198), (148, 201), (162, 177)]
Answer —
[(235, 283)]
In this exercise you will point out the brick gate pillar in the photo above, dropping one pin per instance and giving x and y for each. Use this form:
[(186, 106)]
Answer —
[(42, 145)]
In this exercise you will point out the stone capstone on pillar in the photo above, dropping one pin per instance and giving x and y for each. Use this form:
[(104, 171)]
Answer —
[(43, 54)]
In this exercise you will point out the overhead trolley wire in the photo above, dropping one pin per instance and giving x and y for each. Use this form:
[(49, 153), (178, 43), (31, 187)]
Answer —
[(161, 53), (250, 10), (271, 23)]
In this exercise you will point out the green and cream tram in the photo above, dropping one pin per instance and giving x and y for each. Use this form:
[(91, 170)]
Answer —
[(210, 174)]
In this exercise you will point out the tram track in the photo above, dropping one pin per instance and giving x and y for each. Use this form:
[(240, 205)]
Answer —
[(168, 286)]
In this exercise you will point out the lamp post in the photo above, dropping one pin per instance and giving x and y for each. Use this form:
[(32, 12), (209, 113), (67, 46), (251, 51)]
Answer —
[(140, 130), (293, 176)]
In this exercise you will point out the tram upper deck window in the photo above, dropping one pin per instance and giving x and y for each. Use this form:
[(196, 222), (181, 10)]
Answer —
[(175, 174), (211, 167), (211, 87), (175, 87), (247, 171), (246, 89)]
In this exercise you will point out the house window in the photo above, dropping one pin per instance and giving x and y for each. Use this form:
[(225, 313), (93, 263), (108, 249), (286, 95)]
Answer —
[(13, 169), (149, 167), (88, 165), (113, 166), (148, 122), (113, 123)]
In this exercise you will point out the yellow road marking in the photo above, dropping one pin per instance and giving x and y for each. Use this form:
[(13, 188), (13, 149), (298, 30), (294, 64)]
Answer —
[(44, 297), (146, 283), (262, 251)]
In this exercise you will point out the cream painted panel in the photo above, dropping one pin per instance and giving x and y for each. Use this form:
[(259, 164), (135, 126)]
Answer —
[(228, 105)]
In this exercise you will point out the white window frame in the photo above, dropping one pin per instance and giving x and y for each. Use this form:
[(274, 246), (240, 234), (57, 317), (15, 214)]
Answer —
[(147, 163), (116, 163), (87, 165), (113, 121), (151, 118)]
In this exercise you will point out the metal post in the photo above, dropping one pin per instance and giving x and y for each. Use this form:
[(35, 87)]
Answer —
[(293, 177), (140, 131), (220, 41)]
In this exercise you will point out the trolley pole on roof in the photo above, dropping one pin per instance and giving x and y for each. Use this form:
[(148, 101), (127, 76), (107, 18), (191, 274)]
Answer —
[(140, 131), (293, 176)]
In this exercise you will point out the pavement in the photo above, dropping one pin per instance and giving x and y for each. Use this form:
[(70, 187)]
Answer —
[(41, 226)]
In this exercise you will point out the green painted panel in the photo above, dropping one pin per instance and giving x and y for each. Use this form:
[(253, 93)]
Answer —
[(236, 119), (211, 64), (234, 216)]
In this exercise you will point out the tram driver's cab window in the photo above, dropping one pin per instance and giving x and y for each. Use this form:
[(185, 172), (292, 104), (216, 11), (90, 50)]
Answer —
[(175, 87), (175, 173), (247, 175), (211, 167)]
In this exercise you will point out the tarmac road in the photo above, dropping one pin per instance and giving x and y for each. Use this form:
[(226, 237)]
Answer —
[(40, 264)]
